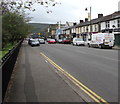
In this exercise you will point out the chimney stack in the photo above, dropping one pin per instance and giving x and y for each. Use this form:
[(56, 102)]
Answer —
[(81, 21), (74, 24), (100, 15), (86, 19)]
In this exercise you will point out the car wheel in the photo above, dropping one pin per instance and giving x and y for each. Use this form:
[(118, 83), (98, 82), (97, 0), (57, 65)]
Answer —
[(89, 45), (100, 46), (110, 47)]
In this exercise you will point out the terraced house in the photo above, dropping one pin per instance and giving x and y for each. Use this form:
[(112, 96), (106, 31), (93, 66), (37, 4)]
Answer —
[(109, 23)]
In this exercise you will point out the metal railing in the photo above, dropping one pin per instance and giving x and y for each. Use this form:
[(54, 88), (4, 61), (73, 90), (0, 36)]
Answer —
[(7, 65)]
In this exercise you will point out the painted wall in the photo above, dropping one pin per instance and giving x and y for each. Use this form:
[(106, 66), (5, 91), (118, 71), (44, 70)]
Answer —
[(103, 25), (67, 31), (112, 22), (77, 30), (73, 30), (95, 28)]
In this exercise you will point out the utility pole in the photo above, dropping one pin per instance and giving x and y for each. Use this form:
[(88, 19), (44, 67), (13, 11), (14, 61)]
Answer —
[(59, 24), (89, 17), (90, 21)]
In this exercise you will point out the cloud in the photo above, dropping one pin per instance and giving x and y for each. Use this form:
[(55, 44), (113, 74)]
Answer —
[(73, 10)]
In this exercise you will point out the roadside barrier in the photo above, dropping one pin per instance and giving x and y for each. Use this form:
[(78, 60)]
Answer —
[(7, 65)]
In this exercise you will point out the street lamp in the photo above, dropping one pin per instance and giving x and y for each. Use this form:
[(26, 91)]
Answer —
[(89, 17), (113, 29), (59, 24)]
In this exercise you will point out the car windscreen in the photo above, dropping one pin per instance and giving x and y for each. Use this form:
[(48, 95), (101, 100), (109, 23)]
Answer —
[(41, 40), (67, 39), (34, 40), (52, 39), (79, 39)]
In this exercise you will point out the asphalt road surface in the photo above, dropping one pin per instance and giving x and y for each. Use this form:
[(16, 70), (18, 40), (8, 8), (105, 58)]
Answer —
[(35, 81), (95, 68)]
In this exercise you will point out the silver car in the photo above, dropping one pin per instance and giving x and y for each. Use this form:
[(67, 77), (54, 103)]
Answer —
[(42, 41), (35, 42)]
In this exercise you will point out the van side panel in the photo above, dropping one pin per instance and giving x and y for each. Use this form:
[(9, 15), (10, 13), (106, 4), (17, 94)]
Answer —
[(102, 40)]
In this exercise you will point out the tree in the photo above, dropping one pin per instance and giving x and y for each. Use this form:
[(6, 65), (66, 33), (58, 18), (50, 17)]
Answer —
[(14, 21), (14, 27), (12, 5)]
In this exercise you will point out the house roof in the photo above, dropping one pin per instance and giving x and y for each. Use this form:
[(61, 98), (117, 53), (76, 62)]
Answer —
[(67, 28), (112, 16)]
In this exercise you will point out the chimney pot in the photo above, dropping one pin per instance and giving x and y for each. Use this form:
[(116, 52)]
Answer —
[(86, 19), (100, 15), (74, 24), (81, 21)]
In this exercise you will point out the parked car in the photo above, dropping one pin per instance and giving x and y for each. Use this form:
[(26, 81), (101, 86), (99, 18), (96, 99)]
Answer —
[(35, 42), (66, 41), (59, 40), (78, 41), (42, 41), (51, 41), (29, 41), (48, 39), (102, 40)]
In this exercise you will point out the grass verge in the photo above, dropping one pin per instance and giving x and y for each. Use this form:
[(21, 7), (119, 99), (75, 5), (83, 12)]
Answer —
[(6, 49)]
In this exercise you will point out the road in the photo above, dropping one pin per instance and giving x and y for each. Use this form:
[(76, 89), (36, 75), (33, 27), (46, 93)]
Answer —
[(35, 80), (95, 68)]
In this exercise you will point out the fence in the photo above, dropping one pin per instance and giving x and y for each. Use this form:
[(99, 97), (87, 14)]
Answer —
[(8, 62)]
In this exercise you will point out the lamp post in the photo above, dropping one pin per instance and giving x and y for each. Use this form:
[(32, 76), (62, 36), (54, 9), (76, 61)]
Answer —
[(113, 29), (89, 17)]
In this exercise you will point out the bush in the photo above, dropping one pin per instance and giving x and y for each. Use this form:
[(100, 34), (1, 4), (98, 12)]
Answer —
[(14, 27)]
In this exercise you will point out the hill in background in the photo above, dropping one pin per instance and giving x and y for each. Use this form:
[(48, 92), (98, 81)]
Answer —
[(42, 28)]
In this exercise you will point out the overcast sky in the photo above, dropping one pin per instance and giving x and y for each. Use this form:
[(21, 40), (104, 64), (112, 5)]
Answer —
[(73, 10)]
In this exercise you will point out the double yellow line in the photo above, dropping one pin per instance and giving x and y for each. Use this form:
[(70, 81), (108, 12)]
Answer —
[(89, 92)]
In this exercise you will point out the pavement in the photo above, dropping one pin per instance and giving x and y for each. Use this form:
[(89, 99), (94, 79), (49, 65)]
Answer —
[(116, 47), (34, 80)]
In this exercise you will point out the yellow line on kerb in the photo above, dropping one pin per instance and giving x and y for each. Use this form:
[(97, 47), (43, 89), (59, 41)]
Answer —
[(89, 92)]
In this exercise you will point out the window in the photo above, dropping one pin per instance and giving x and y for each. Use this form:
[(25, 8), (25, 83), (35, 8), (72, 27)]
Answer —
[(92, 28), (107, 24), (84, 29), (87, 29), (118, 22), (95, 28)]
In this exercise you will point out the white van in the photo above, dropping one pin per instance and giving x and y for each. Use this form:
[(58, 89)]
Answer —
[(102, 40)]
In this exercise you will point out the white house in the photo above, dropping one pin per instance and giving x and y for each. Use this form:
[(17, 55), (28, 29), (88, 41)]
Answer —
[(109, 23)]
